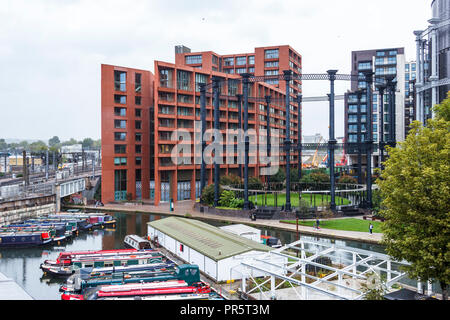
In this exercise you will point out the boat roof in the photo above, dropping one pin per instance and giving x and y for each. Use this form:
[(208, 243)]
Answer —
[(136, 238), (241, 229), (210, 241)]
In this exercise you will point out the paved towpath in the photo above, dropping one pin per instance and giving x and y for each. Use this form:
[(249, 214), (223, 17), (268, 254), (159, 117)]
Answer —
[(183, 208)]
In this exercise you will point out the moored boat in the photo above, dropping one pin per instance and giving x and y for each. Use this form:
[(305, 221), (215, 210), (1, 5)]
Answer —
[(68, 267), (24, 239), (136, 242)]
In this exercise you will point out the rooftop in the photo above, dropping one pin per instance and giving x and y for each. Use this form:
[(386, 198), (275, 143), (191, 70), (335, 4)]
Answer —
[(210, 241)]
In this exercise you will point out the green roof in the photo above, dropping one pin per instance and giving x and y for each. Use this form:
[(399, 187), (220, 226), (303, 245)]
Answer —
[(211, 241)]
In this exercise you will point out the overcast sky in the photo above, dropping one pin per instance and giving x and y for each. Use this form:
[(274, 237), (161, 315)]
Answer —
[(51, 50)]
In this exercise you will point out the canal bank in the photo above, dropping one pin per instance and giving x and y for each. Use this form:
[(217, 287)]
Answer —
[(186, 209)]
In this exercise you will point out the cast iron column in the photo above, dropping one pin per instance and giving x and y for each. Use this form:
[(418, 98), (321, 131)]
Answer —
[(216, 85), (381, 124), (46, 164), (203, 121), (245, 81), (332, 140), (268, 100), (287, 141), (359, 141), (369, 140), (239, 96), (299, 136)]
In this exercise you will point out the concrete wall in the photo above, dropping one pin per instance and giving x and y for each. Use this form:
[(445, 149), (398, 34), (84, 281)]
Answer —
[(17, 215)]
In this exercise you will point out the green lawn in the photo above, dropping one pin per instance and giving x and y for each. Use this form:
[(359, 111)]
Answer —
[(281, 199), (350, 224)]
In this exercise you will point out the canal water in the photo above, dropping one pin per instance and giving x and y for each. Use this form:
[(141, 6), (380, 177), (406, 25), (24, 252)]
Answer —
[(22, 265)]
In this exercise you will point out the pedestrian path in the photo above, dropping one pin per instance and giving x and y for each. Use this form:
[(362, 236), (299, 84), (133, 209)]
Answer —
[(186, 209)]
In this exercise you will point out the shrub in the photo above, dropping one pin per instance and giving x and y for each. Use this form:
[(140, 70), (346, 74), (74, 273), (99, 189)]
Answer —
[(230, 180), (237, 203), (208, 194), (225, 198), (254, 184), (347, 179), (320, 177)]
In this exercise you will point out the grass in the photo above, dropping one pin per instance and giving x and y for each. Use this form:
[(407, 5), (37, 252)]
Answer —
[(309, 198), (350, 224)]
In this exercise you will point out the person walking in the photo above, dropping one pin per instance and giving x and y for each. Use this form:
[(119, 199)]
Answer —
[(317, 223), (370, 228)]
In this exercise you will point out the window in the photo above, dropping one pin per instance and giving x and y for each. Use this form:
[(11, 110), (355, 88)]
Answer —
[(120, 124), (138, 161), (352, 108), (138, 137), (120, 112), (166, 78), (120, 161), (118, 98), (120, 184), (381, 54), (138, 148), (138, 124), (193, 59), (393, 52), (183, 80), (138, 175), (271, 64), (271, 54), (138, 113), (232, 87), (120, 79), (137, 100), (120, 136), (120, 148), (407, 67), (228, 61), (166, 109), (241, 61), (413, 67), (137, 82), (251, 60), (241, 70), (365, 66), (215, 60), (200, 78), (165, 148), (229, 71), (271, 72), (251, 70)]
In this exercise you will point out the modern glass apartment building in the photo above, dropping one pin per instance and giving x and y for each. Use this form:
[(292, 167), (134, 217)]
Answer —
[(383, 63)]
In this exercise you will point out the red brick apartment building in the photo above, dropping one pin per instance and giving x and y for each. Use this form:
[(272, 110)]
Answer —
[(140, 110)]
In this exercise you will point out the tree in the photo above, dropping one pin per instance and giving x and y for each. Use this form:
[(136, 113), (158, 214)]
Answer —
[(414, 187), (38, 146), (87, 143), (53, 141), (280, 176), (71, 142), (3, 144)]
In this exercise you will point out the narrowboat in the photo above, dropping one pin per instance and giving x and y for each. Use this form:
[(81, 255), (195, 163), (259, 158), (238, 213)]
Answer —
[(136, 242), (187, 273), (99, 262), (271, 241), (65, 258), (73, 283), (57, 232), (167, 290), (99, 220), (24, 239)]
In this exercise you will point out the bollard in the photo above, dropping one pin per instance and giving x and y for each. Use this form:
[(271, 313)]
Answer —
[(171, 204)]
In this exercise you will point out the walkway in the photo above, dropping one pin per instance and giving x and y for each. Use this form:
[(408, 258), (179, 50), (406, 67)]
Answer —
[(185, 209)]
